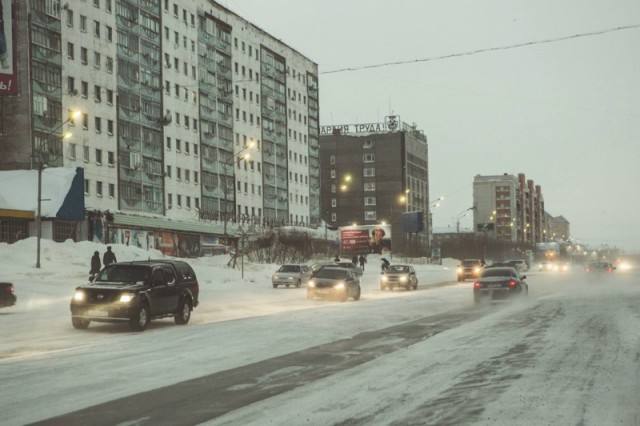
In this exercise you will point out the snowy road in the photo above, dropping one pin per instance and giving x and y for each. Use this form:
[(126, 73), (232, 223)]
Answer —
[(570, 354)]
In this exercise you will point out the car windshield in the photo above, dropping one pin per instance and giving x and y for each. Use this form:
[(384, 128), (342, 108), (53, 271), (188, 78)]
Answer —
[(289, 268), (497, 272), (333, 273), (470, 262), (123, 274), (398, 268)]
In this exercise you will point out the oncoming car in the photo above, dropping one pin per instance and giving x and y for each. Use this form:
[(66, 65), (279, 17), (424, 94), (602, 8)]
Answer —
[(291, 275), (599, 268), (334, 283), (499, 283), (469, 268), (399, 276)]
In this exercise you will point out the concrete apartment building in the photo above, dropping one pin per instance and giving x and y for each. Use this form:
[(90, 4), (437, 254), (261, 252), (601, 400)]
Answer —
[(193, 120), (509, 208), (372, 174)]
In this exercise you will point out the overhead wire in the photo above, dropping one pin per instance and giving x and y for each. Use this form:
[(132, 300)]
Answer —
[(484, 50)]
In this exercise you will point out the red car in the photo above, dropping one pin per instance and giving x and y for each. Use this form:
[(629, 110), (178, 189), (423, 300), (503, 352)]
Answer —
[(7, 295)]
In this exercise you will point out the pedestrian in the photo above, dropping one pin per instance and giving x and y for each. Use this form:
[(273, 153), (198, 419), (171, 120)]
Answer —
[(385, 265), (362, 261), (95, 265), (109, 257), (354, 260), (337, 258)]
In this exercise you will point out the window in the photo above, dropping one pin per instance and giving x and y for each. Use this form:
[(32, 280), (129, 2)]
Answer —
[(333, 173), (96, 29), (109, 97), (110, 127), (83, 23), (84, 55), (334, 202), (96, 59), (86, 187), (333, 188), (86, 153), (111, 158), (370, 216), (112, 190), (109, 33), (85, 123), (169, 200), (168, 143), (369, 172), (169, 173), (370, 186), (332, 159), (96, 3), (195, 177), (70, 18), (71, 85), (368, 158), (109, 64), (179, 200), (178, 145), (99, 157), (72, 151), (70, 51), (84, 89), (367, 144), (97, 93), (369, 201), (98, 124), (178, 173), (334, 217)]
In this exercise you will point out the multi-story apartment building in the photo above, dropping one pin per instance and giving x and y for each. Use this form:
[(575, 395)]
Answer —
[(373, 173), (508, 208), (192, 118)]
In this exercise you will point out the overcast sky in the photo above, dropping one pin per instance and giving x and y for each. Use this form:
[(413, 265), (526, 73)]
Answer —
[(564, 113)]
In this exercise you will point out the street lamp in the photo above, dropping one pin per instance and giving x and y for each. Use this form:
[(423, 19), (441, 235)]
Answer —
[(226, 164), (43, 151), (460, 216)]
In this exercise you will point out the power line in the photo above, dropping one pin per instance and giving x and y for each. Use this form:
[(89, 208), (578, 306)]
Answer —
[(489, 49)]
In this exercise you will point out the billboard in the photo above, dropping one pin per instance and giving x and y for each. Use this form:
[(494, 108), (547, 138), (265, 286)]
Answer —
[(365, 239), (413, 222), (8, 63)]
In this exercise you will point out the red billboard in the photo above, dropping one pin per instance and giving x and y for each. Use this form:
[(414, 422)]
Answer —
[(365, 239), (8, 50)]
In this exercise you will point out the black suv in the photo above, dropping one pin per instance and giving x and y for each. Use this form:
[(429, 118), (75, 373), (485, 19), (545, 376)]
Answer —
[(470, 268), (137, 292)]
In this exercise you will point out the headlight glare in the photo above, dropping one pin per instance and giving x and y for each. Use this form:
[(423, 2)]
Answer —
[(403, 278), (78, 296), (126, 298), (311, 283), (340, 285)]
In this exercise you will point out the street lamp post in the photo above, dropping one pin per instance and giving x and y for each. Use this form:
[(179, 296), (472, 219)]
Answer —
[(226, 176), (43, 157), (460, 216)]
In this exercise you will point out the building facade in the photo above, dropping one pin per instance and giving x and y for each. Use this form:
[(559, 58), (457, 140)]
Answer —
[(191, 118), (374, 174), (509, 208)]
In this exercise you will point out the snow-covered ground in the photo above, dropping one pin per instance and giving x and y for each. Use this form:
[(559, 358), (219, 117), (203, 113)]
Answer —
[(48, 368)]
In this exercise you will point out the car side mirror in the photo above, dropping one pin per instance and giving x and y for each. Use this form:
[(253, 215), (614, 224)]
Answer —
[(523, 277)]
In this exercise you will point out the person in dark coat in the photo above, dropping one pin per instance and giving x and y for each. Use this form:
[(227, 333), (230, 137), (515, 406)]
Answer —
[(337, 258), (109, 257), (95, 265), (362, 261), (354, 260), (385, 265)]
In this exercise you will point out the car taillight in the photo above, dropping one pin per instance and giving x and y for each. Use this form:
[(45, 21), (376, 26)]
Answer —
[(512, 283), (476, 284), (10, 289)]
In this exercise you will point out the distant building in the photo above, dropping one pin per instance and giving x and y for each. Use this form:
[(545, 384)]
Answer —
[(509, 208), (170, 95), (373, 174)]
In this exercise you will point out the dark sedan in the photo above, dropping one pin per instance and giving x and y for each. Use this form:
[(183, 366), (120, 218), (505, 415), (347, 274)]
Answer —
[(499, 283), (7, 295), (334, 283)]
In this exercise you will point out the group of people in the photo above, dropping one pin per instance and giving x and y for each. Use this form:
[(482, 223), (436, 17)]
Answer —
[(108, 258)]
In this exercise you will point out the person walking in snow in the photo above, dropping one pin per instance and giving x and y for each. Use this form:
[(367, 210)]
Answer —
[(362, 261), (95, 265), (109, 257)]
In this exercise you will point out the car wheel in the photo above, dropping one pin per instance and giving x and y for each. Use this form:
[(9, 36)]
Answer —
[(275, 286), (140, 320), (80, 323), (357, 295), (286, 285), (183, 314), (299, 283)]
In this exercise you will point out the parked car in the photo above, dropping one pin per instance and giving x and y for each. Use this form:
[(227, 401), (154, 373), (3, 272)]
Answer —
[(599, 268), (334, 283), (499, 283), (520, 265), (137, 292), (469, 268), (399, 276), (7, 295), (291, 275)]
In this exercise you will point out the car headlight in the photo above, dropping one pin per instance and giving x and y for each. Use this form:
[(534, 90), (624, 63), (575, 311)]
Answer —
[(311, 283), (384, 278), (403, 278), (476, 270), (340, 285), (79, 296), (459, 270), (275, 277), (126, 297)]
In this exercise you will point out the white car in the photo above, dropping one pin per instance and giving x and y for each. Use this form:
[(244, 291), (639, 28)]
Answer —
[(520, 265), (291, 275)]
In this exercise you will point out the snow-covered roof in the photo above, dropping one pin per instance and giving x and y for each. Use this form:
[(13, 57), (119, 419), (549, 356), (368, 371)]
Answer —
[(19, 189)]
